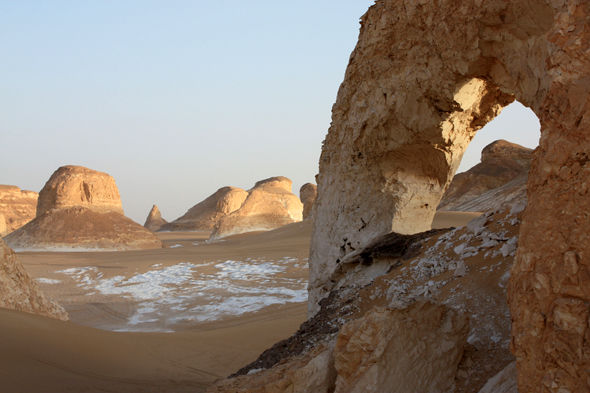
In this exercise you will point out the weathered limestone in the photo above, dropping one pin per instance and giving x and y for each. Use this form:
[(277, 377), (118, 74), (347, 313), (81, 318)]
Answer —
[(78, 186), (17, 207), (154, 219), (501, 163), (503, 382), (269, 205), (308, 194), (424, 77), (19, 291), (204, 215), (417, 349)]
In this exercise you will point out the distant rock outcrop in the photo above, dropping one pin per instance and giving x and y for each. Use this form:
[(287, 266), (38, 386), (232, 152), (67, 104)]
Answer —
[(83, 229), (19, 291), (204, 215), (308, 193), (501, 163), (154, 220), (78, 186), (17, 207), (80, 209), (269, 205)]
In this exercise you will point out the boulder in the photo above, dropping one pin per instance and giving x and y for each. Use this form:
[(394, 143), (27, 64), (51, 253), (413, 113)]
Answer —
[(204, 215), (19, 291), (79, 228), (416, 349), (78, 186), (154, 219), (497, 181), (308, 193), (17, 207), (269, 205)]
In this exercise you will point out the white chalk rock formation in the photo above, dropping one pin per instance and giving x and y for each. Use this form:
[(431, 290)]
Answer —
[(80, 209), (154, 220), (308, 194), (19, 291), (78, 186), (17, 207), (269, 205), (204, 215)]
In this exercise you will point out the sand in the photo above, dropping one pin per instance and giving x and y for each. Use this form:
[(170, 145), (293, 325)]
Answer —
[(169, 320)]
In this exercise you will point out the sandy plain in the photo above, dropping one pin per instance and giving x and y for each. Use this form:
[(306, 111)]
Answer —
[(170, 320)]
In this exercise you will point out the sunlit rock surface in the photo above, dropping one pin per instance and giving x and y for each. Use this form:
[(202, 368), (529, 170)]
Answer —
[(17, 207)]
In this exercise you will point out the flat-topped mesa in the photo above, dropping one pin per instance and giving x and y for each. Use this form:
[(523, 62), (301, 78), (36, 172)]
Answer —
[(80, 209), (17, 207), (308, 194), (269, 205), (504, 168), (79, 186), (154, 219), (19, 291), (204, 215)]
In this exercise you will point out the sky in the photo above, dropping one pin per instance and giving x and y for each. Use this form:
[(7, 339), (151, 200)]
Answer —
[(176, 99)]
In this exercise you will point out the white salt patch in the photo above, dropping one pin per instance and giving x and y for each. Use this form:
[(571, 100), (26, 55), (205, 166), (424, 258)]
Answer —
[(48, 281), (176, 246)]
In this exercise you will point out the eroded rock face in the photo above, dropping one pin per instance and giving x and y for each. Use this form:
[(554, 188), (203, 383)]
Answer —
[(154, 219), (80, 228), (17, 207), (19, 291), (204, 215), (269, 205), (78, 186), (417, 349), (424, 77), (501, 163), (308, 194)]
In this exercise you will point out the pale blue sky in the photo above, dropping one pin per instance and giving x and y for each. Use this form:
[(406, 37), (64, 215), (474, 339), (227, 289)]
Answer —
[(176, 99)]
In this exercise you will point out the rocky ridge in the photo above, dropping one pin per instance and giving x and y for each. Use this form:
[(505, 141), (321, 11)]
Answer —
[(270, 204), (17, 207), (154, 220), (504, 168), (19, 291)]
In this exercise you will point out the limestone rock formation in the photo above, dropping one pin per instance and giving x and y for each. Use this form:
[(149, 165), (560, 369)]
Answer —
[(78, 186), (19, 291), (83, 229), (154, 220), (269, 205), (503, 382), (308, 194), (501, 163), (417, 349), (204, 215), (17, 207), (423, 78)]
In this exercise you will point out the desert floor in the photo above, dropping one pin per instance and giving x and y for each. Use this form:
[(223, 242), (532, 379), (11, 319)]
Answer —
[(169, 320)]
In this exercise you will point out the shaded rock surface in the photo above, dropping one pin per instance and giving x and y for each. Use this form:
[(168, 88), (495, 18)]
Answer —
[(78, 186), (19, 291), (154, 219), (503, 382), (498, 180), (82, 229), (269, 205), (308, 194), (17, 207), (204, 215)]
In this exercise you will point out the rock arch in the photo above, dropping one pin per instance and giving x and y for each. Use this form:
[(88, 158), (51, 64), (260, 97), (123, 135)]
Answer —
[(423, 78)]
